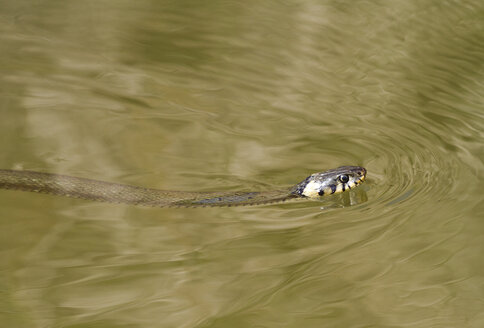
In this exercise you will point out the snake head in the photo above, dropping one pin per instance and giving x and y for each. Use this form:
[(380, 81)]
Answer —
[(330, 182)]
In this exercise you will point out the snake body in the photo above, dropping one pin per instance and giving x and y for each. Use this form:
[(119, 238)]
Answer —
[(316, 185)]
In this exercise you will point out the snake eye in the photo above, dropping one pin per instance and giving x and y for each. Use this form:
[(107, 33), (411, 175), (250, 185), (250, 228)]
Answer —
[(344, 178)]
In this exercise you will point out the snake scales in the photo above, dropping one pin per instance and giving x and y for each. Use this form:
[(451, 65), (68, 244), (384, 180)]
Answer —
[(316, 185)]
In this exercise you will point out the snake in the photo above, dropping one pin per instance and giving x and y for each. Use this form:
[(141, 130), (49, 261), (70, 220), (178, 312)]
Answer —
[(316, 185)]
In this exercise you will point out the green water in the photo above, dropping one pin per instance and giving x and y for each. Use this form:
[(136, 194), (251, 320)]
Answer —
[(248, 95)]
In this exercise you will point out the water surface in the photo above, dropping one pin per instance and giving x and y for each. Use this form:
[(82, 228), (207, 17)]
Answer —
[(251, 95)]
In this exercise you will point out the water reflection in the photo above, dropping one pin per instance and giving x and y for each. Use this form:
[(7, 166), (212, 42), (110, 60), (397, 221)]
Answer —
[(189, 95)]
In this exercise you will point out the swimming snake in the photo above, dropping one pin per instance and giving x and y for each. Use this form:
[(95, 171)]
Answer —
[(316, 185)]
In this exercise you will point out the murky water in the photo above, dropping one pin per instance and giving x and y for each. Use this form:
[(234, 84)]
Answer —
[(197, 95)]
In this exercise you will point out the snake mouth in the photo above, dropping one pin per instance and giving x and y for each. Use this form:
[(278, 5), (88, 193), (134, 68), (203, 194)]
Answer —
[(362, 175), (358, 178), (361, 178)]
